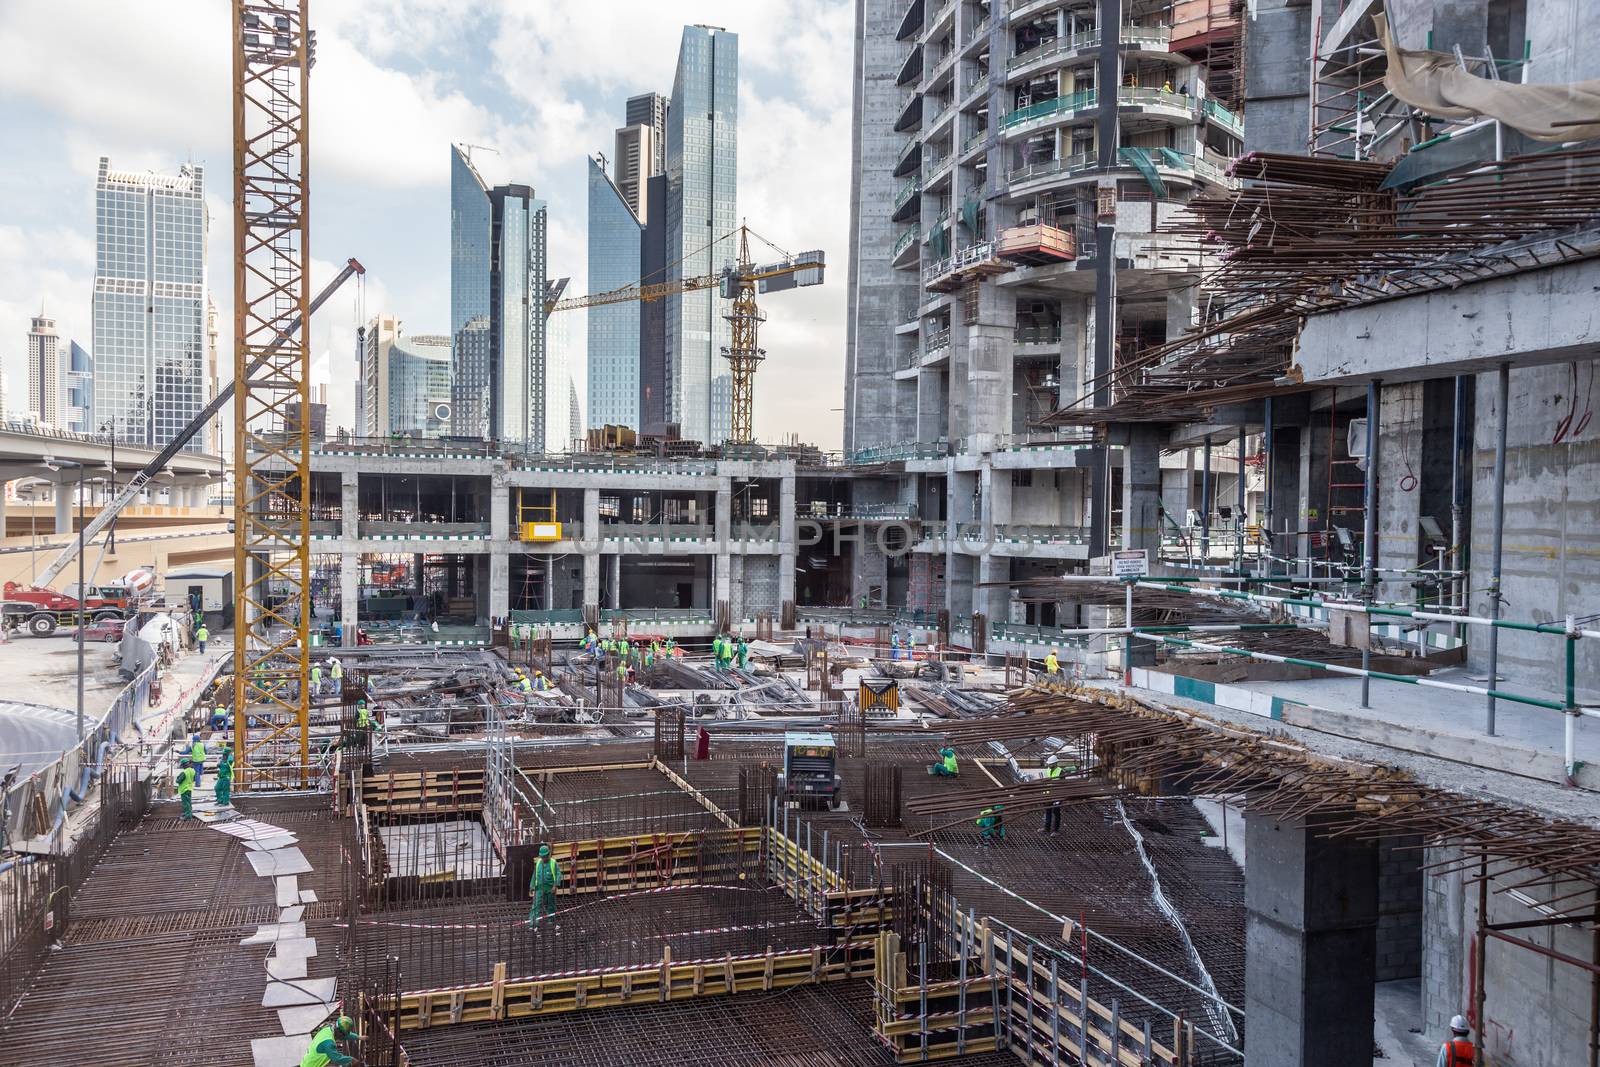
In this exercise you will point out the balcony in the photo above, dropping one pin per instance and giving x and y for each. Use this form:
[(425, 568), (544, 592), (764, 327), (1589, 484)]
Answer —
[(977, 88), (911, 113), (1234, 124), (935, 341), (1044, 112), (904, 241), (907, 191), (1037, 335), (911, 69), (1037, 244), (911, 22), (936, 169), (910, 156), (1021, 9), (974, 33), (1162, 99), (1059, 47), (1081, 163), (949, 272), (1146, 38)]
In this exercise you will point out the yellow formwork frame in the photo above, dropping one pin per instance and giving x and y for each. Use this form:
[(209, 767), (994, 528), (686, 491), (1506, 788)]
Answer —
[(271, 406)]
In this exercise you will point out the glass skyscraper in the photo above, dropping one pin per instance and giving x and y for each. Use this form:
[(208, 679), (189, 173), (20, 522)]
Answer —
[(470, 225), (613, 329), (80, 390), (701, 214), (497, 284), (149, 303)]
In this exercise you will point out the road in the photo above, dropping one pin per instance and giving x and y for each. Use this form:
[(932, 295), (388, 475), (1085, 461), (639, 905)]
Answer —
[(37, 717)]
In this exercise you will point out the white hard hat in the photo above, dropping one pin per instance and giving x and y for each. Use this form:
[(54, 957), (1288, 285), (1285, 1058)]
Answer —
[(1459, 1025), (1050, 761)]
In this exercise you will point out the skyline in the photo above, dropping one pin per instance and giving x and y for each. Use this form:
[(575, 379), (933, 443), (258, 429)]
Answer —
[(386, 111)]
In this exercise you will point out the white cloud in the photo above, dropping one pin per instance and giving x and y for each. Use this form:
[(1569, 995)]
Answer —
[(396, 82)]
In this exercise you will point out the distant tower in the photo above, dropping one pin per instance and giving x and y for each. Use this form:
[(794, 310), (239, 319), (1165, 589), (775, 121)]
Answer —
[(149, 303), (44, 371)]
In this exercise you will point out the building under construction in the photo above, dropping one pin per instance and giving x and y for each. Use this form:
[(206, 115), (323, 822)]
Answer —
[(1189, 662)]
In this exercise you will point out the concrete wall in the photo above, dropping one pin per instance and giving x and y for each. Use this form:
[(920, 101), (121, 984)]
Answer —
[(1552, 526), (1536, 1009), (876, 293), (1399, 908)]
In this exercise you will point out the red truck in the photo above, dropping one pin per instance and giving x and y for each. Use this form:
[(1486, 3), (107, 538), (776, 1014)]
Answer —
[(40, 611)]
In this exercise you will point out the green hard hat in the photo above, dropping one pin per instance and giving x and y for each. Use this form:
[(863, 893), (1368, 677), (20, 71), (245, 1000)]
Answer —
[(344, 1024), (544, 850)]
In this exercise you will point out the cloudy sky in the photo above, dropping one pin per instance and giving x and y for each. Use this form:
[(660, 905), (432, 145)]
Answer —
[(542, 82)]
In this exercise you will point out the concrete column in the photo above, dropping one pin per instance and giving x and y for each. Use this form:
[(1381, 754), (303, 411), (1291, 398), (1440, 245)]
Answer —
[(499, 581), (349, 505), (1141, 488), (591, 517), (1311, 907), (3, 529), (1074, 338), (63, 499), (989, 344), (995, 601), (932, 404), (788, 540), (349, 596), (500, 508), (1313, 481), (591, 579), (1286, 511), (995, 504)]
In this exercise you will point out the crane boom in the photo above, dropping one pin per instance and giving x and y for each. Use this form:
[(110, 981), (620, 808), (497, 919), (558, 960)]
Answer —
[(142, 478), (641, 293)]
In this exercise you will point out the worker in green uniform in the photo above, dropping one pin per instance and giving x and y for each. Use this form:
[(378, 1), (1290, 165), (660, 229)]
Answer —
[(744, 654), (336, 672), (201, 636), (946, 767), (185, 782), (225, 777), (716, 653), (992, 825), (546, 877), (316, 679), (325, 1044), (197, 757)]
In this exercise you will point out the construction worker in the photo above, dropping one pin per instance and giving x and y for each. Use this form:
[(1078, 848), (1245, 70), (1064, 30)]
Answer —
[(744, 654), (727, 652), (219, 718), (185, 784), (590, 641), (540, 682), (224, 788), (522, 682), (326, 1041), (1458, 1051), (546, 877), (316, 679), (627, 650), (716, 652), (1052, 665), (201, 636), (364, 720), (992, 825), (197, 757), (336, 672), (1052, 814), (622, 672), (946, 767)]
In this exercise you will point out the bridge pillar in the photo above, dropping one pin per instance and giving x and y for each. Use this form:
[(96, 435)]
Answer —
[(1311, 908), (63, 498)]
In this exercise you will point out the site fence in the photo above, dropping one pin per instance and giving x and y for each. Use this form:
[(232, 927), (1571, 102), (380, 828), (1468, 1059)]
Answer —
[(36, 891), (36, 806)]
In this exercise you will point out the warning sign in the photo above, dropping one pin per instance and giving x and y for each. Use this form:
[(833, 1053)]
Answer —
[(1132, 563)]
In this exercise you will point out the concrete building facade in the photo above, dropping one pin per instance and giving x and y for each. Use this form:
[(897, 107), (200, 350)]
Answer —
[(45, 378), (1013, 171)]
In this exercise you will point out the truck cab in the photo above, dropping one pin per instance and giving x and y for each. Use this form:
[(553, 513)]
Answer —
[(810, 769)]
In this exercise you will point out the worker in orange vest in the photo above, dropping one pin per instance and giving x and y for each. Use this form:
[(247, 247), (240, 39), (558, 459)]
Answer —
[(1457, 1052)]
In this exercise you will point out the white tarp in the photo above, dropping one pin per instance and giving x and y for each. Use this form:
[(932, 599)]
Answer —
[(1435, 83)]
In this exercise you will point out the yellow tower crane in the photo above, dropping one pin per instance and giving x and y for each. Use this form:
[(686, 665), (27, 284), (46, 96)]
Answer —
[(739, 282)]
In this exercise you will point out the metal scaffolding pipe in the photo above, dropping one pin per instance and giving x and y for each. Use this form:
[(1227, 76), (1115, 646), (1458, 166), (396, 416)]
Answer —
[(1502, 395), (1369, 532), (1205, 503)]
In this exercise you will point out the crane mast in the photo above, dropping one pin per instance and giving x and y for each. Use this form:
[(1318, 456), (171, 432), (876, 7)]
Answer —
[(272, 45)]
